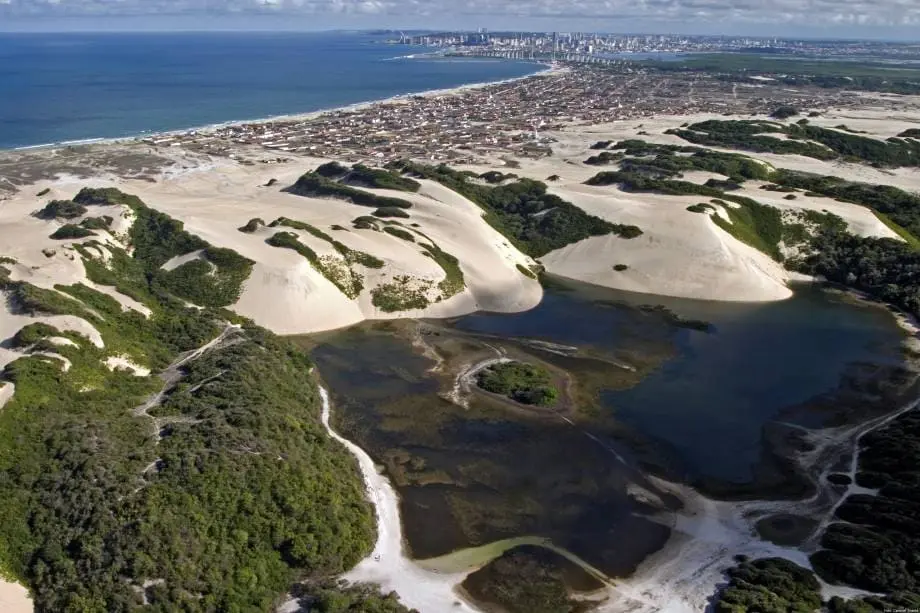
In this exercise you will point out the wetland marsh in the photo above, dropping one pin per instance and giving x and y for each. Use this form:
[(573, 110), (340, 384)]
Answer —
[(473, 469)]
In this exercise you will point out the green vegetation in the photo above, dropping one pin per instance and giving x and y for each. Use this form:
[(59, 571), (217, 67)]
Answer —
[(363, 176), (669, 161), (390, 211), (69, 231), (535, 221), (404, 293), (909, 238), (526, 579), (252, 225), (898, 206), (526, 272), (336, 271), (315, 185), (755, 224), (215, 280), (494, 177), (97, 223), (701, 207), (802, 139), (234, 495), (751, 222), (769, 585), (365, 222), (521, 382), (360, 175), (876, 548), (33, 333), (910, 133), (64, 209), (400, 233), (331, 170), (873, 547), (351, 256), (620, 267), (784, 112), (332, 597), (43, 192), (453, 282)]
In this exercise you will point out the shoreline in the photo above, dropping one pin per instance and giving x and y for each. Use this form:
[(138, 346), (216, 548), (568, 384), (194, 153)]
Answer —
[(548, 69)]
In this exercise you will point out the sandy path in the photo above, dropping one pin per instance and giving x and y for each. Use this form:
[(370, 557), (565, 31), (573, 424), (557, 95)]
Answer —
[(387, 565)]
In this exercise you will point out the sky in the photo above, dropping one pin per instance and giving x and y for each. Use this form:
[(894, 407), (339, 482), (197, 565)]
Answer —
[(886, 19)]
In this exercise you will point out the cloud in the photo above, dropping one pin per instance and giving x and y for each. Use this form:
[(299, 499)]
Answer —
[(606, 14)]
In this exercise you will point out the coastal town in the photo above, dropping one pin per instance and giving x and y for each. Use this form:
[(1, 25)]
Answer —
[(474, 124)]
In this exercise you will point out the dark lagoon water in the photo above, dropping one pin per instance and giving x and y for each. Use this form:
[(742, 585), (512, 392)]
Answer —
[(695, 407), (63, 87), (710, 402)]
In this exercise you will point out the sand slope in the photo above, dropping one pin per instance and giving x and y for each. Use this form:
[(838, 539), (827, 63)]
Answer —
[(680, 253), (285, 293)]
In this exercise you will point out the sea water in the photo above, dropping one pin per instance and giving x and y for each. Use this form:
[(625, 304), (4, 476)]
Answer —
[(65, 87)]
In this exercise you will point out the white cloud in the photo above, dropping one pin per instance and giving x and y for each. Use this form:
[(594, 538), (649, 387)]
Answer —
[(605, 13)]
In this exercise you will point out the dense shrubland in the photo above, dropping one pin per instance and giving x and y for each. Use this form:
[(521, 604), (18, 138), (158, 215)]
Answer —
[(237, 495), (803, 139)]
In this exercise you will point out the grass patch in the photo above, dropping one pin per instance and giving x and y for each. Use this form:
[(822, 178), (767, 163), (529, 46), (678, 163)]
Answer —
[(252, 225), (63, 209), (70, 231), (404, 293), (519, 381), (908, 237), (315, 185), (526, 272), (400, 233), (754, 224), (390, 211)]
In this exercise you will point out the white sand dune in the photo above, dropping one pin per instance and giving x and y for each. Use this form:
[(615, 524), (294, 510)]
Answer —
[(6, 393), (123, 362), (285, 294), (680, 253), (14, 598)]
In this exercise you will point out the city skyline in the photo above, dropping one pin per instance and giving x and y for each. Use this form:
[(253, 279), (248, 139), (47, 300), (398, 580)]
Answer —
[(851, 19)]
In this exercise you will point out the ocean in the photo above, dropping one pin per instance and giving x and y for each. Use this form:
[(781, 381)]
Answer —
[(65, 87)]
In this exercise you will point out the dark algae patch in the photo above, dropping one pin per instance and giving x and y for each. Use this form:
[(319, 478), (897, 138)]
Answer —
[(530, 579)]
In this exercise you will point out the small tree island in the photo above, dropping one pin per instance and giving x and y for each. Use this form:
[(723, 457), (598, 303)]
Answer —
[(519, 381)]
